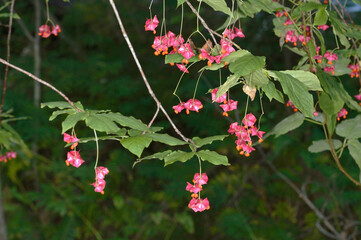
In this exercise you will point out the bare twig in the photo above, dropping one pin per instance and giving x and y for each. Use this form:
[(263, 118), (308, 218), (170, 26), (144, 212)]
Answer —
[(41, 81), (7, 56), (150, 90), (334, 155), (154, 117)]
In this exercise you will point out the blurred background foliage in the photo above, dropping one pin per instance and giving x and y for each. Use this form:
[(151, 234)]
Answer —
[(90, 62)]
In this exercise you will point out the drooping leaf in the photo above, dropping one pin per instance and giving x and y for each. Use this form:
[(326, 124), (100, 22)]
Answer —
[(213, 157), (200, 142), (159, 155), (71, 120), (321, 16), (218, 5), (136, 144), (296, 91), (354, 146), (286, 125), (101, 123), (61, 105), (272, 92), (177, 156), (55, 114), (323, 145), (350, 128), (307, 78), (130, 122), (232, 81)]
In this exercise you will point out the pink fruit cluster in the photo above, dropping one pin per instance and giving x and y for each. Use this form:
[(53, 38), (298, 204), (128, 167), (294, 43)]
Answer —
[(355, 70), (99, 183), (171, 43), (342, 114), (44, 30), (328, 63), (8, 156), (227, 106), (73, 157), (191, 105), (244, 132), (198, 204)]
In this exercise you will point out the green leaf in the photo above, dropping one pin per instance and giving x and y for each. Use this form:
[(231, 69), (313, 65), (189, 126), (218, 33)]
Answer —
[(232, 81), (354, 146), (177, 156), (213, 67), (166, 139), (309, 79), (272, 92), (213, 157), (61, 105), (7, 15), (334, 88), (357, 2), (247, 64), (55, 114), (305, 7), (341, 66), (130, 122), (218, 5), (350, 128), (5, 5), (257, 79), (136, 144), (330, 105), (5, 137), (296, 91), (71, 120), (199, 142), (321, 16), (323, 145), (180, 2), (101, 123), (286, 125), (159, 155), (331, 122), (233, 56), (177, 58)]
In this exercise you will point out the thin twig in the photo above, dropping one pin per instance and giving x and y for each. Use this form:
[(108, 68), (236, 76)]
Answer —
[(154, 117), (334, 155), (150, 90), (7, 56), (42, 82)]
